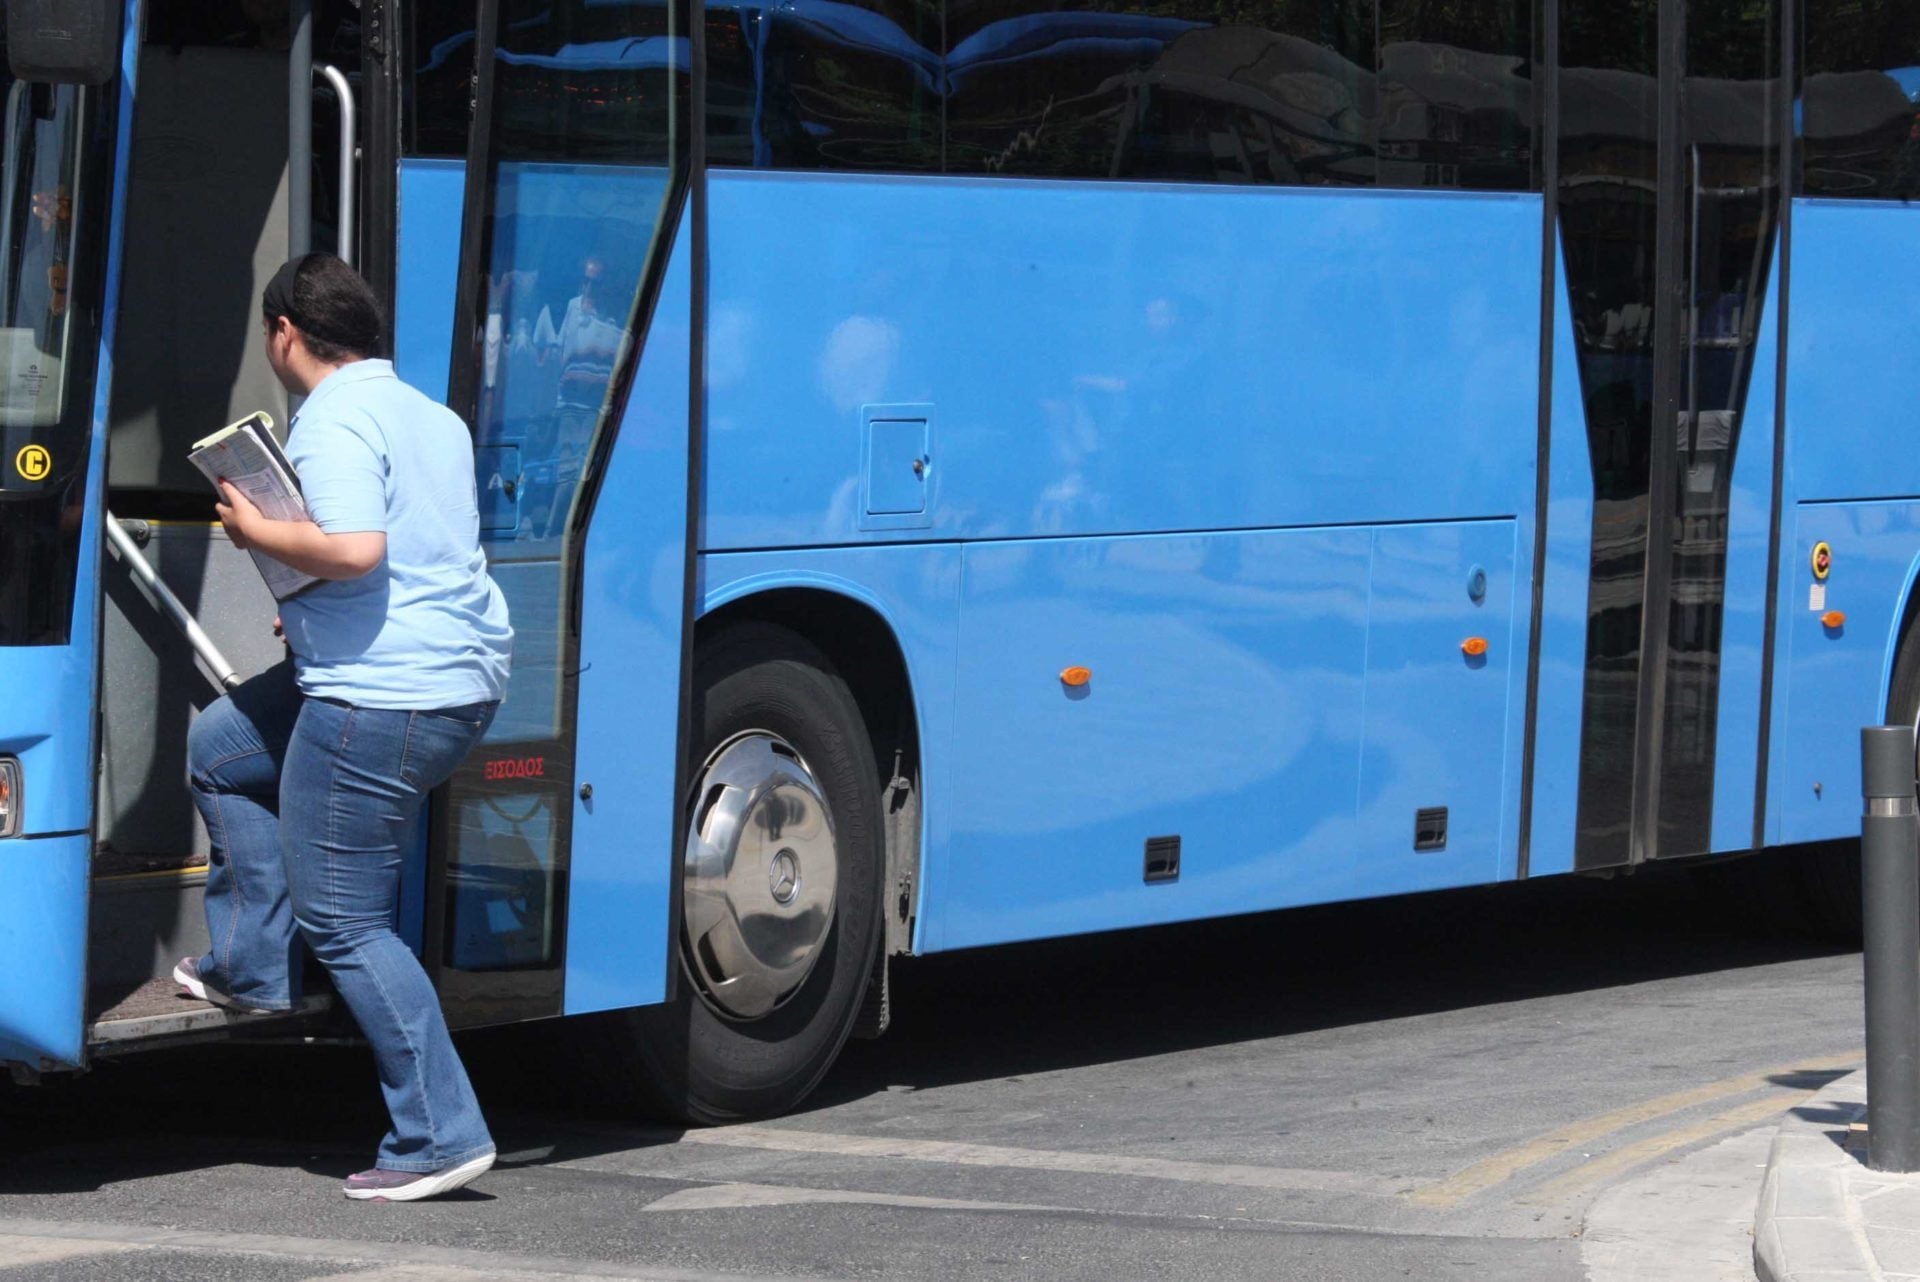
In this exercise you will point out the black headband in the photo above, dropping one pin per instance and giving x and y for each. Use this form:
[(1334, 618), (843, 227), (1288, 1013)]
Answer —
[(277, 300)]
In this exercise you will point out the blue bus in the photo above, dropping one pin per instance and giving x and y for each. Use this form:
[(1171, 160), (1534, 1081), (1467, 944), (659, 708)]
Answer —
[(968, 471)]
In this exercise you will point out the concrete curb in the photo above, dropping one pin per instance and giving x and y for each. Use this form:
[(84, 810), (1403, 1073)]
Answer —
[(1823, 1216)]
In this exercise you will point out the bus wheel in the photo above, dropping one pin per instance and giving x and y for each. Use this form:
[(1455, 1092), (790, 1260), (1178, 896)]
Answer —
[(780, 883)]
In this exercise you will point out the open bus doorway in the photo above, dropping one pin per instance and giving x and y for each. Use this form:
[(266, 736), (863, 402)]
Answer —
[(208, 219)]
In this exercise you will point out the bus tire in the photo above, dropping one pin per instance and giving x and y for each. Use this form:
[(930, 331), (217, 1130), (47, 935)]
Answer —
[(764, 699)]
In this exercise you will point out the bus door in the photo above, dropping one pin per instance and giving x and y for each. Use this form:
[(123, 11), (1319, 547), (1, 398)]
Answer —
[(59, 105), (551, 845), (155, 174), (1668, 197)]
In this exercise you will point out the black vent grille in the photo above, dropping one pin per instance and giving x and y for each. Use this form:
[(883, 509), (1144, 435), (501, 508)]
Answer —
[(1163, 859), (1430, 828)]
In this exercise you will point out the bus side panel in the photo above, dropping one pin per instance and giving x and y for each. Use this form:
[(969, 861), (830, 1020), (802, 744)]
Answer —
[(1225, 708), (1851, 401), (1284, 702), (916, 590), (1563, 618), (1743, 622), (625, 838), (1851, 414), (432, 198), (1436, 721), (43, 947), (427, 269), (1116, 358), (1835, 674)]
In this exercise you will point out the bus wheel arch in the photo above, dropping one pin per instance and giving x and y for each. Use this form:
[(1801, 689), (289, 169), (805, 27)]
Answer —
[(1822, 881), (778, 735), (865, 649)]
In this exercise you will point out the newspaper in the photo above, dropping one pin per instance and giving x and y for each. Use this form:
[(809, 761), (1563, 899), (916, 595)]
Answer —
[(246, 456)]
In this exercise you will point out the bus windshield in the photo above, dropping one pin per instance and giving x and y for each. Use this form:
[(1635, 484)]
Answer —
[(52, 211), (38, 228)]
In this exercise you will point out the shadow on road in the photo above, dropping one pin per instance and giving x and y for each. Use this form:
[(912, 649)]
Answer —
[(958, 1017), (1057, 1004)]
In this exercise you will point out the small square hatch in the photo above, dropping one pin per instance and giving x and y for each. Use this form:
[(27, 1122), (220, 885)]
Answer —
[(896, 466)]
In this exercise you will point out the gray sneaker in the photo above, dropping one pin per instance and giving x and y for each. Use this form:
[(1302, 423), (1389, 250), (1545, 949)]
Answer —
[(410, 1186), (186, 973)]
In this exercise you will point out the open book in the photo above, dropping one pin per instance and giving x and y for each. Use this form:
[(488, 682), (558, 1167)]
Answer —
[(246, 456)]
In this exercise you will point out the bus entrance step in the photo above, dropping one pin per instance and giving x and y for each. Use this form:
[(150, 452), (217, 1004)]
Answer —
[(157, 1011)]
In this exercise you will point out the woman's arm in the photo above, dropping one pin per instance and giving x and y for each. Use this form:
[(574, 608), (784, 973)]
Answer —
[(301, 544)]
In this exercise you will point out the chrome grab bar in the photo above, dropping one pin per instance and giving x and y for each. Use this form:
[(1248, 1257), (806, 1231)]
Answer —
[(1693, 311), (224, 677), (343, 94)]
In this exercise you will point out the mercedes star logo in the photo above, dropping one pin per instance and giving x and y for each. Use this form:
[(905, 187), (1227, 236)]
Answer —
[(784, 877)]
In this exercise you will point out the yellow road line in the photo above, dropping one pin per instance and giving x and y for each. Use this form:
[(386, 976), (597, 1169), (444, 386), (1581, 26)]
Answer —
[(1588, 1175), (1503, 1166)]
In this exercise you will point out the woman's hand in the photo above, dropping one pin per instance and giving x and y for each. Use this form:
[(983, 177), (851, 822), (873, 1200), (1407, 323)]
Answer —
[(236, 514), (300, 544)]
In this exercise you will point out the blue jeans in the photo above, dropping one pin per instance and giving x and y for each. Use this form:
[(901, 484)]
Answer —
[(312, 807)]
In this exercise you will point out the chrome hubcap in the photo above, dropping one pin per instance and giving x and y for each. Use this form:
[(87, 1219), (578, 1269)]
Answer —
[(760, 875)]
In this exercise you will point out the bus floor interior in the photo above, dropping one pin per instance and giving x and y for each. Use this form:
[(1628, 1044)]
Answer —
[(206, 226)]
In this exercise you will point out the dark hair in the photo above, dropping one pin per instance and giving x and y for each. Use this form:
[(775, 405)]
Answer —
[(334, 310)]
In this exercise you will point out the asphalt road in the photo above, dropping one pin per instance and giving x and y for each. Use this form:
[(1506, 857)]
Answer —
[(1438, 1087)]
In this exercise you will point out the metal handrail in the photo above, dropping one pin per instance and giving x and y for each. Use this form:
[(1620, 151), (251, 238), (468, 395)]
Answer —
[(224, 677), (343, 95)]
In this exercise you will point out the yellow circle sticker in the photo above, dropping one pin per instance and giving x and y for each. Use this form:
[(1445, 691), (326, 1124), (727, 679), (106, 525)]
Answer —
[(33, 463), (1822, 561)]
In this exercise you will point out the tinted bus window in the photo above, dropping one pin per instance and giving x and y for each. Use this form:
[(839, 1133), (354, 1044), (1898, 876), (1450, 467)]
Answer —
[(438, 89), (1860, 99), (1284, 93), (588, 82), (824, 84), (52, 219), (1456, 94), (1406, 93)]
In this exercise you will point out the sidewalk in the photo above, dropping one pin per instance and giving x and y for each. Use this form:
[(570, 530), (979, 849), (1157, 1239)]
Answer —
[(1823, 1216)]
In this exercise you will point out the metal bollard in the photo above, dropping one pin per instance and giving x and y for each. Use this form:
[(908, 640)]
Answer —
[(1890, 887)]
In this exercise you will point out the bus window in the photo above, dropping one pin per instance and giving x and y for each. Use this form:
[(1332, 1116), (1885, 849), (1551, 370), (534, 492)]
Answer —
[(1860, 100), (438, 90), (825, 85), (586, 133), (1313, 92), (47, 195), (37, 230)]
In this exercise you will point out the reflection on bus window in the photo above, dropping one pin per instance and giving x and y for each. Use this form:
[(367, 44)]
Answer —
[(37, 230), (504, 887), (582, 141), (1860, 101)]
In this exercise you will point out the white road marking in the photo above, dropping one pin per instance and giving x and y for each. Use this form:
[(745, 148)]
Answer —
[(18, 1251), (784, 1140), (726, 1197), (486, 1264), (436, 1273)]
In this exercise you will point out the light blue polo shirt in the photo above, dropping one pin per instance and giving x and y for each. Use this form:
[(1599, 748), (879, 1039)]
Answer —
[(427, 627)]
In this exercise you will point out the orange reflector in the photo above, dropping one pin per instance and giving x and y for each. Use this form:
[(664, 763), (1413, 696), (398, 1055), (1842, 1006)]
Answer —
[(1832, 619), (1075, 676), (1473, 647)]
